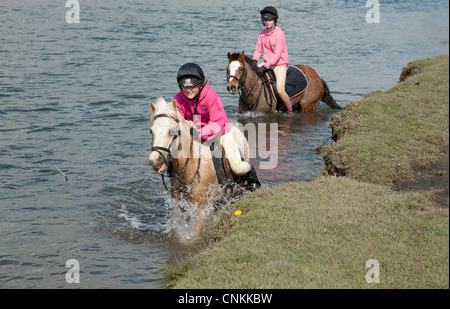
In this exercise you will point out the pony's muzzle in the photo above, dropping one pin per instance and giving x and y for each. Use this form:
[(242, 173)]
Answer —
[(156, 161), (232, 89)]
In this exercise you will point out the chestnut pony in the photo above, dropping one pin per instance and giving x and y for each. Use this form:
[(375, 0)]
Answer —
[(254, 94)]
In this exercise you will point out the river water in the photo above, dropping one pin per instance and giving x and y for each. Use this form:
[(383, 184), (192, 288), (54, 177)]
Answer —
[(76, 96)]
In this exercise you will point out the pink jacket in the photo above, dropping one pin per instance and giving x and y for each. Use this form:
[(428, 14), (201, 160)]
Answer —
[(274, 47), (214, 120)]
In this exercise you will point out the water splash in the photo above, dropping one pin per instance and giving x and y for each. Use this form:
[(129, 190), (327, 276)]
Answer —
[(182, 220), (187, 222), (144, 222)]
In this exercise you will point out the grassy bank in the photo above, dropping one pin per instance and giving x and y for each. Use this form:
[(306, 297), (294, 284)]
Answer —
[(384, 135), (321, 234)]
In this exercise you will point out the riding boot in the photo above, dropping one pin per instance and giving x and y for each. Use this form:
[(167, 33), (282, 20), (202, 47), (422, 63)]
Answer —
[(218, 162), (252, 180)]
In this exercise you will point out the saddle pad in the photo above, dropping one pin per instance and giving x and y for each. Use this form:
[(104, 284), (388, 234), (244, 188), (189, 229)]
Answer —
[(296, 82)]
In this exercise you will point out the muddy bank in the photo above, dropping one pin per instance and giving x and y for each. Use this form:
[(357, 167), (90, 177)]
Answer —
[(433, 179)]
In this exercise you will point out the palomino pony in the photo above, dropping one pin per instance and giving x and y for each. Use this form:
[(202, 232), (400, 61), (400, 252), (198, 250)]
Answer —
[(254, 92), (175, 150)]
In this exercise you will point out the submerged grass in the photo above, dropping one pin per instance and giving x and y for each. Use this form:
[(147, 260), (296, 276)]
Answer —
[(321, 234)]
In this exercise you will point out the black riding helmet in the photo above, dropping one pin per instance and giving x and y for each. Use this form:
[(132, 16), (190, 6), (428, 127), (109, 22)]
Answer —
[(268, 13), (189, 75)]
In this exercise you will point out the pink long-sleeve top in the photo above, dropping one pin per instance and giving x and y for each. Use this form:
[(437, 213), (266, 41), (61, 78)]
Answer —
[(214, 120), (274, 47)]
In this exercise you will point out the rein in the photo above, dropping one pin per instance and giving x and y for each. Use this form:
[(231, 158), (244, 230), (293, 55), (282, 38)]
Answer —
[(168, 160)]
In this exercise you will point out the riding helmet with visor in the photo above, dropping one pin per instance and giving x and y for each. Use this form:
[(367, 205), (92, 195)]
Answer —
[(268, 13), (190, 75)]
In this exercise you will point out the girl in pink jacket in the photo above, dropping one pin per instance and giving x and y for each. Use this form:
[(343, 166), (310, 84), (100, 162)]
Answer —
[(196, 97), (199, 103), (272, 43)]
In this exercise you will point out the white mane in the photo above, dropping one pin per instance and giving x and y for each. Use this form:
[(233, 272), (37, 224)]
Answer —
[(162, 107)]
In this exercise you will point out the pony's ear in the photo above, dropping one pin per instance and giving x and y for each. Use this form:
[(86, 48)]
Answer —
[(229, 56), (153, 107), (242, 56), (174, 105), (175, 108)]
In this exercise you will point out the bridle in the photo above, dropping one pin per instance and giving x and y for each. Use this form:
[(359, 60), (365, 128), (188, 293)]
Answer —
[(249, 90), (168, 158), (238, 80)]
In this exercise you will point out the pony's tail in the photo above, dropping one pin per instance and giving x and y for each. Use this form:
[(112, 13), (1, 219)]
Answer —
[(327, 98)]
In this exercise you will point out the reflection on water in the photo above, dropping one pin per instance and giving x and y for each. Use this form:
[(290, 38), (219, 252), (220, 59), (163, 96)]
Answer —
[(295, 149)]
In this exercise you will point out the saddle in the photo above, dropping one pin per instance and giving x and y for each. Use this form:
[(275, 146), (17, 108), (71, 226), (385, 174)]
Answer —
[(222, 167), (296, 83), (225, 175)]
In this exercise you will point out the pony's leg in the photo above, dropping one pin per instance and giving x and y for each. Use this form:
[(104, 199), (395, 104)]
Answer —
[(200, 219), (308, 106)]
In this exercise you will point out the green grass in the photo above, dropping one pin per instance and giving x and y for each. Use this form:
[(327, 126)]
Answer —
[(320, 234), (380, 137), (297, 240)]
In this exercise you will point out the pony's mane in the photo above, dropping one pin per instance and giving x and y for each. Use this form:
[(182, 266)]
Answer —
[(252, 63), (166, 108)]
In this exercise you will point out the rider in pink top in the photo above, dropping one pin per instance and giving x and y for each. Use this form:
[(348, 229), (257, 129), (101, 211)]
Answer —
[(272, 43), (274, 46), (213, 120), (199, 103)]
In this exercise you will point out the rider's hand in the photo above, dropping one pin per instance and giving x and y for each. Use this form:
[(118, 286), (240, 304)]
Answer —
[(261, 70)]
